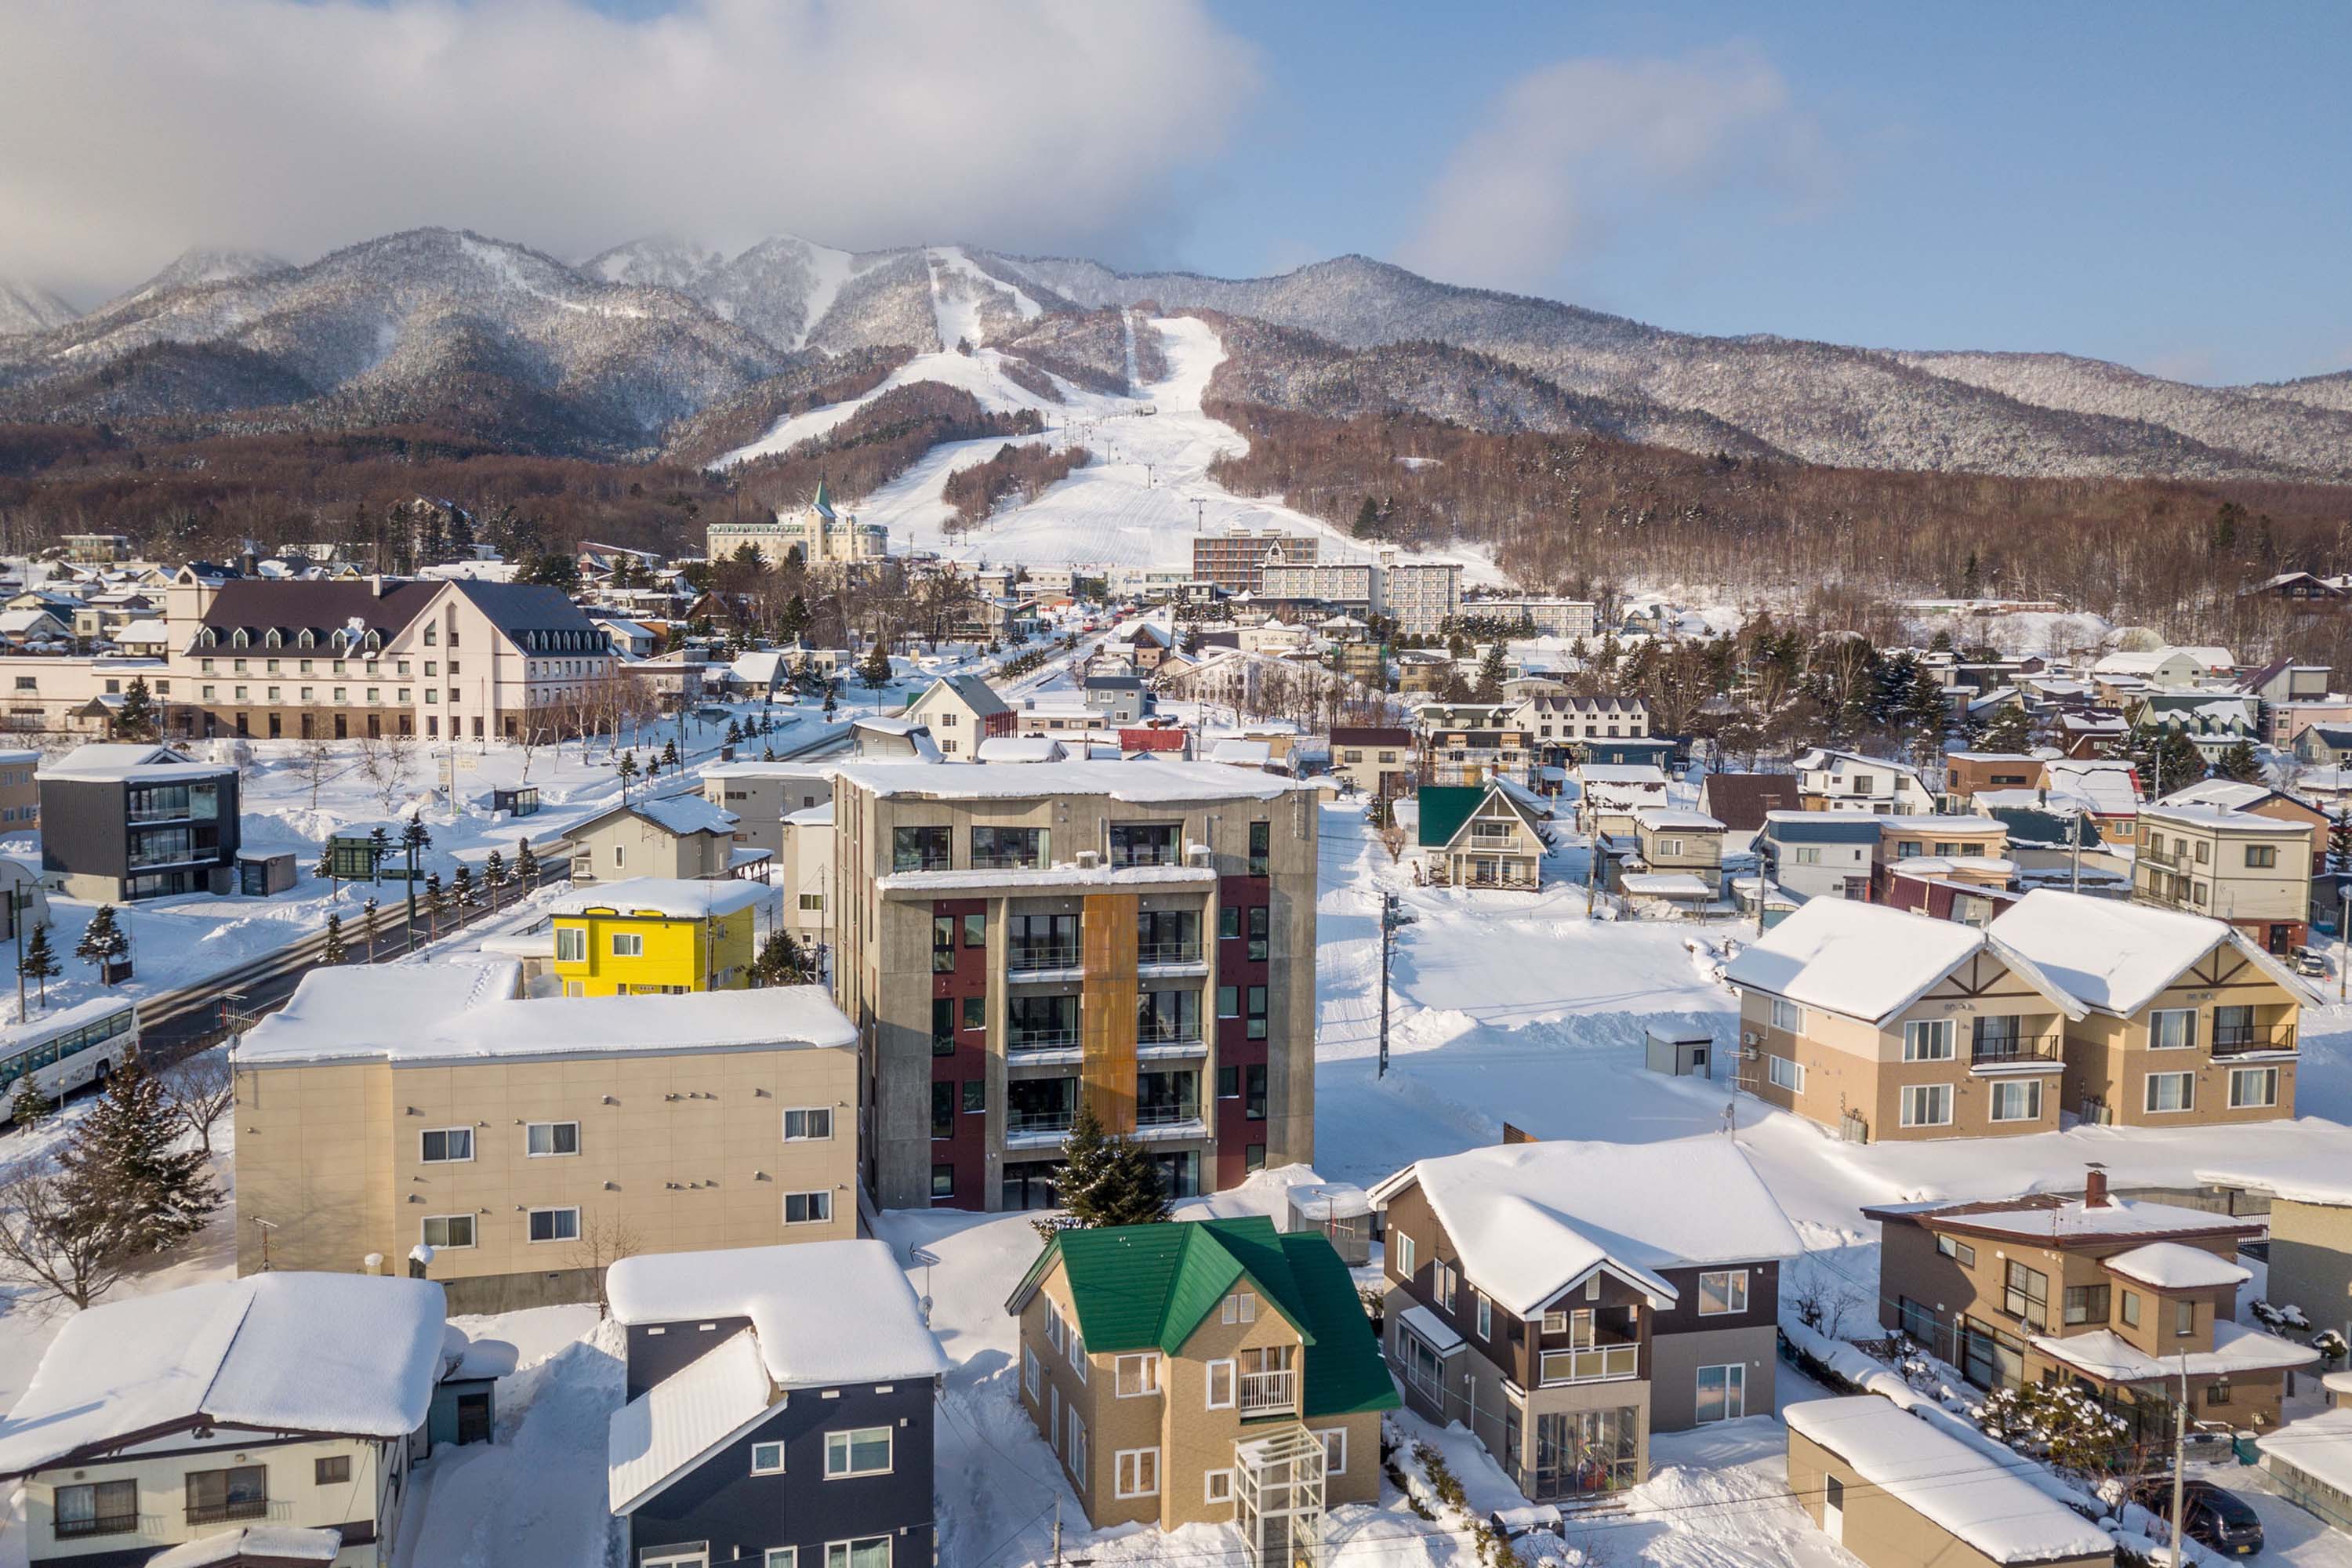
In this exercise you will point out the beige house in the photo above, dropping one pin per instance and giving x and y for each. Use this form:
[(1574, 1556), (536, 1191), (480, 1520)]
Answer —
[(2311, 1252), (676, 837), (510, 1148), (20, 793), (2182, 1020), (961, 711), (1378, 760), (1677, 842), (1610, 793), (1479, 835), (1885, 1025), (1203, 1372), (761, 794), (2253, 872), (821, 536)]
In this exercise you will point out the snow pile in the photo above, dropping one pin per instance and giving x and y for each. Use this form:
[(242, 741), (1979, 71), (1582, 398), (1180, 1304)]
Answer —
[(2172, 1265), (677, 898), (272, 1543)]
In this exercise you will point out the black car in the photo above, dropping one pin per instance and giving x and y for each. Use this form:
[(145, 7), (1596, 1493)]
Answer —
[(2217, 1518)]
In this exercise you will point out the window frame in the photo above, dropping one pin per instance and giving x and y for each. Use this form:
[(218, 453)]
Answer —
[(1140, 1459), (1926, 1095), (810, 1217), (1731, 1278), (575, 939), (1929, 1030), (637, 937), (473, 1232), (2270, 1077), (807, 1112), (1147, 1367), (1211, 1494), (2032, 1085), (2188, 1042), (529, 1128), (849, 1437), (553, 1212), (1327, 1433), (1794, 1082), (2188, 1081), (844, 1553), (775, 1470), (1230, 1370), (445, 1134)]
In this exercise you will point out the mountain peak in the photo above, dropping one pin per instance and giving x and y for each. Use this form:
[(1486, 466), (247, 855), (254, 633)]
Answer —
[(27, 307)]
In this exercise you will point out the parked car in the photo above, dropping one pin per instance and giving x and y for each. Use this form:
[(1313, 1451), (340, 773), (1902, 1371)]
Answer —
[(2217, 1518), (2310, 961)]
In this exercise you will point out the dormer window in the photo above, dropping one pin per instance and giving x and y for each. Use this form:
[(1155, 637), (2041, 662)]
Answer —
[(432, 634), (240, 638), (273, 638)]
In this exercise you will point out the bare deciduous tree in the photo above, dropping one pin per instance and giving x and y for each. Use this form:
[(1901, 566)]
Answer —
[(315, 761), (200, 1091), (389, 762), (603, 1243), (60, 1248)]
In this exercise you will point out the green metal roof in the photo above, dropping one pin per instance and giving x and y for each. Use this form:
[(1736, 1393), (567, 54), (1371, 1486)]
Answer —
[(1148, 1287), (1443, 809)]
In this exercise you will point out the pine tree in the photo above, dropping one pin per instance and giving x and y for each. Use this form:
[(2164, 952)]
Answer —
[(379, 849), (670, 754), (436, 903), (2339, 840), (135, 720), (122, 1162), (103, 941), (832, 703), (494, 874), (462, 884), (781, 960), (653, 768), (367, 921), (1129, 1190), (28, 1107), (2239, 763), (2011, 730), (1972, 579), (2175, 763), (734, 734), (628, 773), (873, 669), (1367, 519), (526, 865), (335, 952), (1491, 674), (40, 961), (1084, 1151)]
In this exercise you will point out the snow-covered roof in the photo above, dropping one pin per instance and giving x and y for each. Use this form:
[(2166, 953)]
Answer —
[(1532, 1220), (1870, 961), (1021, 749), (253, 1543), (118, 761), (2108, 785), (1967, 1493), (1234, 751), (1621, 774), (2070, 1219), (1662, 818), (2115, 957), (1935, 824), (684, 1416), (817, 815), (825, 1312), (1435, 1331), (1058, 875), (2237, 1349), (2318, 1446), (679, 898), (288, 1352), (680, 813), (2217, 816), (1664, 885), (2177, 1266), (2230, 794), (1166, 781)]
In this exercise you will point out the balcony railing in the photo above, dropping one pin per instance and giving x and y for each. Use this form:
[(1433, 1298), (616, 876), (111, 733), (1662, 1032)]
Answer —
[(1157, 1032), (1268, 1392), (2024, 1048), (1032, 1122), (1601, 1363), (2161, 858), (1030, 958), (1168, 952), (2245, 1039), (1166, 1115), (103, 1524), (221, 1513), (1039, 1039)]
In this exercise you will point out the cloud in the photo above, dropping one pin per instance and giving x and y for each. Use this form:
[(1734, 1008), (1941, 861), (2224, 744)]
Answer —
[(1572, 154), (135, 128)]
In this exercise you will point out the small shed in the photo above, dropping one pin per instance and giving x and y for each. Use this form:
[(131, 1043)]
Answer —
[(1680, 1052), (520, 801), (261, 872), (1341, 1211), (465, 1406)]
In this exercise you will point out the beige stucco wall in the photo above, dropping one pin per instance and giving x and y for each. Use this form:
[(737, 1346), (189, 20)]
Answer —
[(161, 1468), (1881, 1530), (2311, 1260), (2109, 1060)]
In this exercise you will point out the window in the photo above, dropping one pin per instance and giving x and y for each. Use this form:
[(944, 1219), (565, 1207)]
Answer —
[(2168, 1091), (975, 930), (867, 1552), (1077, 1446), (2171, 1028), (629, 945), (1255, 1027), (2252, 1087), (1725, 1290), (919, 848), (215, 1496), (780, 1557), (1217, 1485), (1136, 1472), (1722, 1392), (2262, 857), (1404, 1256), (1260, 927), (1229, 922), (544, 1138), (810, 902), (1786, 1074), (570, 945), (448, 1230), (943, 929), (2026, 1296), (1261, 847), (447, 1144), (767, 1458), (99, 1508), (331, 1472), (2018, 1100), (1137, 1376), (943, 1182), (860, 1451), (1486, 1314), (1927, 1040), (812, 1124), (1951, 1247), (1079, 1362), (1807, 855), (1334, 1451), (1220, 1385), (943, 1026), (1229, 1003), (1787, 1016), (975, 1097), (2184, 1318), (555, 1224), (808, 1208), (1240, 1307), (2128, 1309), (1442, 1280), (1254, 1091), (943, 1104), (1926, 1105), (2087, 1303), (1032, 1371)]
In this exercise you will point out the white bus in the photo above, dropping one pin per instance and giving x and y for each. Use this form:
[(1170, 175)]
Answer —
[(83, 1044)]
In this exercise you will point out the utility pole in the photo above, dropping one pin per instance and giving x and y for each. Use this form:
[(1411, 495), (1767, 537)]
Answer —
[(2075, 843), (2343, 947), (1199, 514), (2179, 1459), (1389, 924)]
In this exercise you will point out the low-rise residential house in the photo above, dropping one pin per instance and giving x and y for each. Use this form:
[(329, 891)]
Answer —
[(1608, 794), (682, 837), (121, 822), (2323, 745), (2184, 1021), (1378, 760), (2117, 1297), (2168, 667), (1205, 1372), (1480, 836), (2311, 1247), (779, 1403), (961, 711), (2259, 800), (1971, 850), (2214, 722), (2289, 719), (653, 936), (500, 1146), (1116, 699), (1830, 780), (159, 1421), (2253, 872), (2311, 1461), (1677, 842), (1739, 801), (1471, 756), (1883, 1024), (1966, 773), (1820, 854), (804, 879), (20, 791), (761, 794), (1563, 1300)]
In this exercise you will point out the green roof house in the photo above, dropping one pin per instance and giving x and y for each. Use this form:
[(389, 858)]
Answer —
[(1481, 835), (1187, 1372)]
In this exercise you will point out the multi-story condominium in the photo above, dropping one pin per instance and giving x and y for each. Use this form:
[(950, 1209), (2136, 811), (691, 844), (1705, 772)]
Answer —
[(824, 536), (653, 936), (58, 692), (1236, 560), (961, 711), (2122, 1298), (122, 822), (510, 1148), (1205, 1372), (372, 656), (680, 836), (1422, 595), (1846, 781), (1563, 1300), (1550, 617), (1674, 841), (1820, 854), (1011, 939), (779, 1409), (1561, 725), (1476, 756), (1479, 835), (2184, 1021), (1883, 1026), (166, 1424), (2252, 872), (1967, 772), (2261, 800), (1378, 760), (1348, 586)]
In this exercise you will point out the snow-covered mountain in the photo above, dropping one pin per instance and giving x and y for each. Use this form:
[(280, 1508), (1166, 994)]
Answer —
[(25, 309), (200, 268)]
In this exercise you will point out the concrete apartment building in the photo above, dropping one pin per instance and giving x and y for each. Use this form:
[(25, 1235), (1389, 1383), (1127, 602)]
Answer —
[(124, 821), (1010, 939), (1551, 618), (1563, 1300), (1422, 595), (1236, 559), (1883, 1024), (509, 1148), (1353, 586), (2252, 872)]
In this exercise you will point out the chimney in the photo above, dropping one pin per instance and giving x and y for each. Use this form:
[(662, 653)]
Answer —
[(2095, 1188), (375, 585)]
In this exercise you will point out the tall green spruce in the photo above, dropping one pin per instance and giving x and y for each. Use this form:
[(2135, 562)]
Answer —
[(40, 961), (122, 1163), (103, 941), (2239, 763), (1109, 1179), (2339, 840)]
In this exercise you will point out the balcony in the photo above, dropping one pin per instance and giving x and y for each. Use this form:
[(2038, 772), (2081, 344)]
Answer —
[(1168, 1115), (1269, 1393), (1599, 1363), (1040, 958), (102, 1524), (223, 1512), (2149, 856), (2022, 1052), (1039, 1124), (1018, 1039), (1157, 1032), (1148, 953), (2252, 1039)]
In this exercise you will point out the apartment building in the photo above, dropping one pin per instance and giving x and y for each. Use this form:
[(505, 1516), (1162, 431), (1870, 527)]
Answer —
[(69, 694), (1883, 1024), (2251, 872), (1205, 1372), (2185, 1021), (1423, 595), (653, 936), (510, 1148), (2122, 1298), (1236, 559), (1379, 761), (1551, 618), (1476, 756), (1562, 1301), (1609, 794), (1011, 938), (2261, 800), (1559, 722), (1353, 586), (823, 535), (122, 822)]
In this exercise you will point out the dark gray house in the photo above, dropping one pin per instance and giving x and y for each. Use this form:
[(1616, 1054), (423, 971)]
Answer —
[(125, 821), (779, 1409)]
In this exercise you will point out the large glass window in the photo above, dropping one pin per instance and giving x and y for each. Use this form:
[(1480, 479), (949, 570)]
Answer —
[(1261, 847), (1146, 843), (919, 848), (99, 1508), (1040, 1023), (1040, 1105), (1261, 920), (1041, 942), (2017, 1100), (1926, 1105), (1165, 1098), (860, 1451), (216, 1496), (2254, 1088), (2171, 1028), (1162, 1017), (1008, 849), (2170, 1091), (1168, 936), (943, 949), (1927, 1040), (1998, 1035), (2233, 1028), (2025, 1296), (1581, 1452)]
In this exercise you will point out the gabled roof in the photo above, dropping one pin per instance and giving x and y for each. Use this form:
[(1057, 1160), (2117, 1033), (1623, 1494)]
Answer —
[(972, 691), (2115, 957), (1871, 961), (1740, 800), (824, 1312), (1446, 811), (659, 1435)]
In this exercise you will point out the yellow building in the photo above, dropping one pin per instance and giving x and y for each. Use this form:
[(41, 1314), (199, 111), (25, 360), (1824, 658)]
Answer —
[(654, 935)]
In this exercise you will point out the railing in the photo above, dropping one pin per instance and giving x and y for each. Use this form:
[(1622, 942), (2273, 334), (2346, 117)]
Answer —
[(1036, 1121), (1168, 952), (2161, 858), (1027, 958), (1166, 1115), (1158, 1033), (1126, 855), (1601, 1363), (1264, 1393), (2036, 1048), (219, 1512), (2245, 1039), (921, 863), (1001, 861), (103, 1524), (1039, 1039)]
